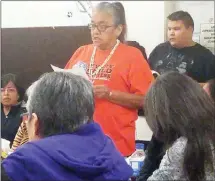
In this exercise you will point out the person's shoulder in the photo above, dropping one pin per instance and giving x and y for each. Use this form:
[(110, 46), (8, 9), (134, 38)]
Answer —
[(182, 141), (135, 44), (163, 45), (130, 50), (203, 49), (138, 46), (23, 149), (178, 146), (84, 47)]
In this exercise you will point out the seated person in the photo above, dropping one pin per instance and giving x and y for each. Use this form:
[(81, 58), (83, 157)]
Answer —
[(180, 53), (22, 133), (185, 124), (64, 142), (11, 106), (156, 151)]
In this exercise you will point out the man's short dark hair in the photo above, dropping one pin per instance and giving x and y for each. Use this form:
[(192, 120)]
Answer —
[(183, 16)]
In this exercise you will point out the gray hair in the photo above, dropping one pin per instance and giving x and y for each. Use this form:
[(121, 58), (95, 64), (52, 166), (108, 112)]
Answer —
[(62, 101), (117, 11)]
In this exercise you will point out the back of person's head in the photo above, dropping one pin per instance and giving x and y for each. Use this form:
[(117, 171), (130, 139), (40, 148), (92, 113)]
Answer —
[(16, 81), (209, 87), (177, 106), (61, 103), (184, 16), (116, 9)]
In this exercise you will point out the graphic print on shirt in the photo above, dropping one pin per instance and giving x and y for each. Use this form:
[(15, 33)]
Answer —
[(104, 73), (81, 64), (174, 61)]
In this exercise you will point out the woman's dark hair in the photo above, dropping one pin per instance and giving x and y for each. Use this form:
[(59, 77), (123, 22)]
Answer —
[(5, 79), (117, 10), (177, 106), (211, 86)]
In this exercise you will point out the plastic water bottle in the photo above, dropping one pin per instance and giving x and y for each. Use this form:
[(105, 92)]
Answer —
[(137, 159)]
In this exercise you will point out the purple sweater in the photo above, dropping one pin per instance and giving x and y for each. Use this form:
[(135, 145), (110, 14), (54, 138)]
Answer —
[(86, 154)]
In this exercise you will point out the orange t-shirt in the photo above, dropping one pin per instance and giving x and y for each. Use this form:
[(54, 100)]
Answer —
[(126, 71)]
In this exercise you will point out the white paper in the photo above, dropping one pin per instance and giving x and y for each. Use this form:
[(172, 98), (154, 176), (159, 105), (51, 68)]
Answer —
[(5, 144), (75, 70)]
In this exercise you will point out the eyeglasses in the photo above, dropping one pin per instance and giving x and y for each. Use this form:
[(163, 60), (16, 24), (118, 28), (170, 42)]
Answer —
[(100, 27), (9, 90)]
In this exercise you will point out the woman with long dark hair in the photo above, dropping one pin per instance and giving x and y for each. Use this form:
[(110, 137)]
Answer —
[(181, 114)]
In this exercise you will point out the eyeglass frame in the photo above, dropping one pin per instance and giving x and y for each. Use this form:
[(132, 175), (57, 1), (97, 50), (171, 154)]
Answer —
[(9, 89), (99, 29)]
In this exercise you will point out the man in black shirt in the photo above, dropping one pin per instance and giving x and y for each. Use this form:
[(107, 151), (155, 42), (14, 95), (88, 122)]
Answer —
[(180, 53)]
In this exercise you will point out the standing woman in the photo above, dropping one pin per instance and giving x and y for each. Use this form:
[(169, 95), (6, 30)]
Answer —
[(120, 74), (11, 106)]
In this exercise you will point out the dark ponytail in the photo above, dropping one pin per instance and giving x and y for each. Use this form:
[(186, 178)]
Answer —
[(120, 11)]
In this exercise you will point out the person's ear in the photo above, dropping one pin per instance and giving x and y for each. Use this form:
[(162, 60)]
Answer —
[(191, 29), (35, 124), (119, 30)]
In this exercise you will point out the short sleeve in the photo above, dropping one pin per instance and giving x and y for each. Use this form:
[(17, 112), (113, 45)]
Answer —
[(140, 75)]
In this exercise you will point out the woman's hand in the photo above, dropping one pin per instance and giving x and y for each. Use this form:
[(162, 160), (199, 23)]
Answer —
[(101, 91)]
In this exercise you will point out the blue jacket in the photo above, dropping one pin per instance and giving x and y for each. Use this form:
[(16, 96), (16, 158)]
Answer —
[(11, 122), (86, 154)]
